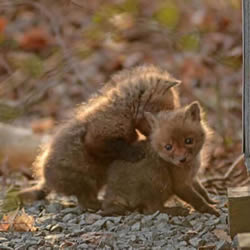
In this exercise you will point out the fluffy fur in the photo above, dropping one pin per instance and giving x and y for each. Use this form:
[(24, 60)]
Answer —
[(102, 130), (169, 167)]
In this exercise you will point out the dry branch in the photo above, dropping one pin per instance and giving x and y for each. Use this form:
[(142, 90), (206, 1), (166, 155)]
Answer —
[(18, 147)]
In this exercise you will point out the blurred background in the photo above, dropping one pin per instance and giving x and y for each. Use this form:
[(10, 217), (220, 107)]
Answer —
[(55, 54)]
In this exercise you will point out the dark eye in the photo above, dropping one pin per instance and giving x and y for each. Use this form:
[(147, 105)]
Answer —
[(168, 147), (189, 141)]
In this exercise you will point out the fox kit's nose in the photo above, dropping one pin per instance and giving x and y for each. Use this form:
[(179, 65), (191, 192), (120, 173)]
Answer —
[(183, 159)]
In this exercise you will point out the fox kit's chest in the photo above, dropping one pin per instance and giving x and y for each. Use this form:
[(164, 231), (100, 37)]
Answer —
[(161, 180)]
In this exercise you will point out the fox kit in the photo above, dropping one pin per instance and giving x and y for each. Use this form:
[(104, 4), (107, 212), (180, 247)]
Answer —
[(102, 130), (172, 159)]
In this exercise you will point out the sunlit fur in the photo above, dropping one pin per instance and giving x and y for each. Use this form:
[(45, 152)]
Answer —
[(75, 162), (147, 184)]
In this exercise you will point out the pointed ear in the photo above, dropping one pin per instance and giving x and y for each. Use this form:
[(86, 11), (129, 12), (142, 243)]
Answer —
[(173, 83), (151, 119), (193, 111)]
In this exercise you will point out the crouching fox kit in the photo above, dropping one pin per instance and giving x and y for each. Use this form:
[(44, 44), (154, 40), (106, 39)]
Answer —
[(102, 130), (172, 159)]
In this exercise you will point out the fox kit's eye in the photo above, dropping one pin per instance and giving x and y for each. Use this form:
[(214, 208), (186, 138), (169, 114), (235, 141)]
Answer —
[(168, 147), (189, 141)]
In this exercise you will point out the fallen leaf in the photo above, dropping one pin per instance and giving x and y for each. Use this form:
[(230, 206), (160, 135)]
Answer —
[(24, 222), (17, 221), (35, 39), (4, 226), (3, 22)]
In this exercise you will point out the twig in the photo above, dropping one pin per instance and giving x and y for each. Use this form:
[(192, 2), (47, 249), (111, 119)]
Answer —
[(228, 173), (56, 27)]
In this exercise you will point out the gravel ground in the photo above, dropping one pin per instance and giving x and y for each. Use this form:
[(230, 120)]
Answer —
[(61, 224)]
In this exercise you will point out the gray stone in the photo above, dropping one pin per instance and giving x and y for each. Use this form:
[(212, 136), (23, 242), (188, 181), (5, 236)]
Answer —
[(163, 227), (176, 220), (222, 226), (182, 244), (21, 247), (198, 227), (223, 219), (136, 226), (73, 221), (99, 224), (170, 247), (68, 217), (2, 239), (133, 237), (83, 246), (4, 247), (54, 237), (71, 210), (212, 222), (195, 242), (57, 227), (209, 237), (74, 228), (223, 245), (163, 217), (109, 225), (54, 207)]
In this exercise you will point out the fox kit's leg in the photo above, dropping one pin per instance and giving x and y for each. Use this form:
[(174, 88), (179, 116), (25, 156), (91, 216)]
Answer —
[(190, 195), (112, 206), (202, 191), (157, 205), (38, 192), (89, 201)]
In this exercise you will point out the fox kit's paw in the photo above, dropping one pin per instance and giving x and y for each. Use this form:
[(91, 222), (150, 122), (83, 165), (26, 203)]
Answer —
[(89, 204), (212, 201), (113, 210), (32, 194), (212, 210)]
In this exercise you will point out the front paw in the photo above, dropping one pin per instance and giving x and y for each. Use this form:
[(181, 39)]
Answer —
[(212, 201), (212, 210)]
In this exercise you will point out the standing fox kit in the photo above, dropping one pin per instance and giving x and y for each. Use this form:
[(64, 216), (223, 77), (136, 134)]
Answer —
[(75, 162), (169, 167)]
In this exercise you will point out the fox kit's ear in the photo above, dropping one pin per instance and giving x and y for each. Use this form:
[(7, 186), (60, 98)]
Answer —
[(193, 111), (173, 83), (151, 119)]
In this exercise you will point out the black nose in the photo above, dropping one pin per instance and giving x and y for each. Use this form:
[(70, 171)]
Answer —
[(182, 160)]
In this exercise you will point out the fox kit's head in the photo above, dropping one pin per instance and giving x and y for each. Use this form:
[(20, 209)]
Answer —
[(178, 135)]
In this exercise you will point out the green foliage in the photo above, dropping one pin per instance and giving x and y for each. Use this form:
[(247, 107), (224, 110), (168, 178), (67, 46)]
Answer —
[(7, 43), (109, 10), (33, 66), (8, 112), (83, 51), (189, 42), (235, 4), (11, 200), (234, 62), (94, 33), (168, 15), (130, 6), (228, 141), (105, 13)]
